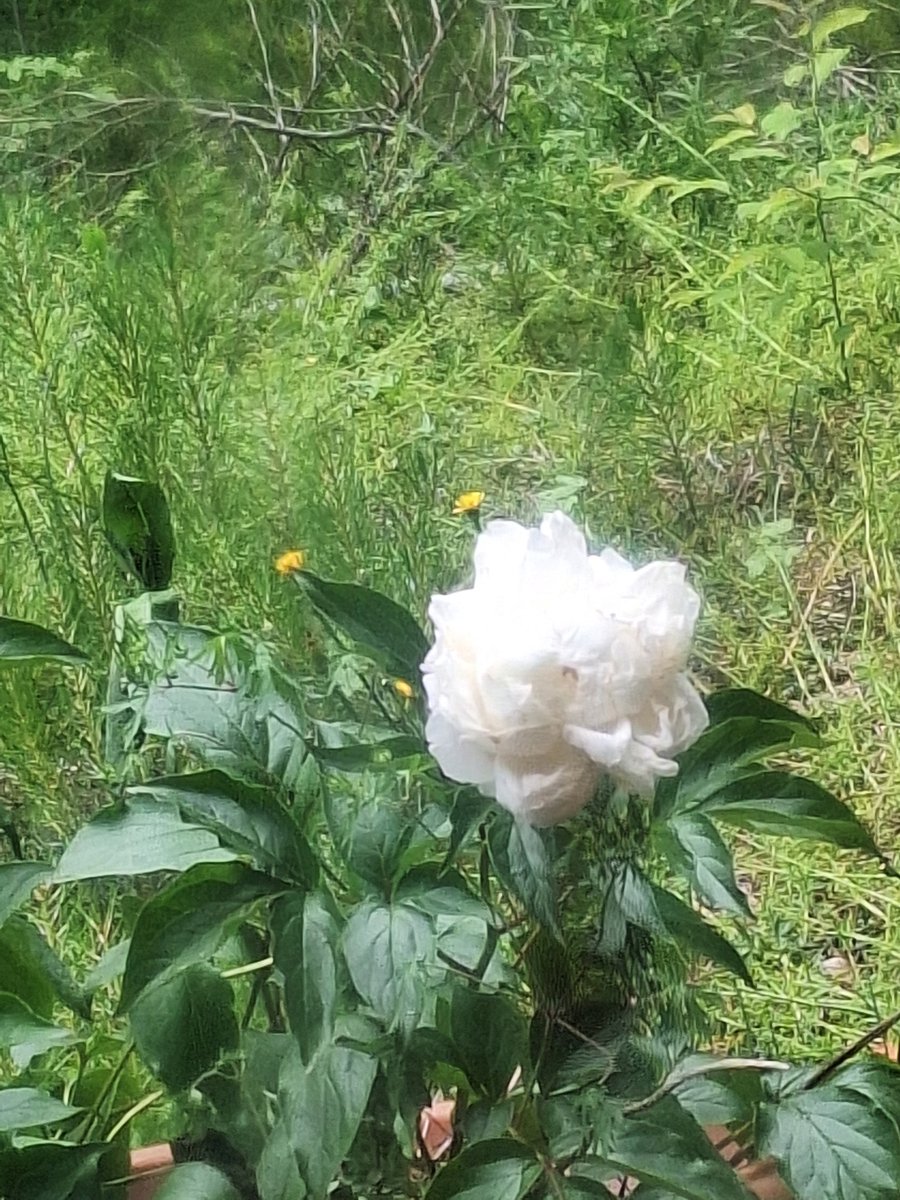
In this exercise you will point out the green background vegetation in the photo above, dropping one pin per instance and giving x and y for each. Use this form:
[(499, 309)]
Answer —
[(636, 260)]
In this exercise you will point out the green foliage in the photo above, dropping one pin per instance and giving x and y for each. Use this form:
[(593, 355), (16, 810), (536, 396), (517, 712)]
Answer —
[(136, 520), (21, 641), (314, 1058), (678, 321)]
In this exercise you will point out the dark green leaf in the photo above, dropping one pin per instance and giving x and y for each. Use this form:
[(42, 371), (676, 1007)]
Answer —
[(196, 1181), (370, 756), (20, 641), (491, 1039), (244, 817), (743, 702), (497, 1169), (689, 931), (387, 948), (725, 753), (721, 1097), (136, 520), (776, 802), (322, 1106), (231, 714), (441, 893), (25, 1108), (371, 620), (24, 1034), (306, 938), (183, 1023), (371, 839), (110, 967), (50, 1171), (831, 1143), (22, 971), (277, 1172), (143, 836), (665, 1148), (696, 851), (186, 923), (877, 1082), (469, 809), (520, 857), (17, 881)]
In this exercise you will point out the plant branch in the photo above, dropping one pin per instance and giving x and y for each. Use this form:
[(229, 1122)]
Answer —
[(829, 1068), (677, 1078)]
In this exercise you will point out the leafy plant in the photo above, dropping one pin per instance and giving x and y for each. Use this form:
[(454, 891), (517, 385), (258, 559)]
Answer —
[(330, 933)]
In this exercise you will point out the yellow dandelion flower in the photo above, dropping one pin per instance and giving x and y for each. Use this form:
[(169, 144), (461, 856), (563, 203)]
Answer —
[(467, 502), (292, 560), (403, 689)]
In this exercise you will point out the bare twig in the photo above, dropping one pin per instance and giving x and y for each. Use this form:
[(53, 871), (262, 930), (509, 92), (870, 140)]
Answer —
[(677, 1078), (270, 90), (829, 1068)]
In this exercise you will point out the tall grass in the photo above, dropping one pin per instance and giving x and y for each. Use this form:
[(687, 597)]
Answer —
[(685, 376)]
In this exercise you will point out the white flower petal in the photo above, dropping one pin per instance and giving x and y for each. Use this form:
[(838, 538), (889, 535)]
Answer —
[(556, 666)]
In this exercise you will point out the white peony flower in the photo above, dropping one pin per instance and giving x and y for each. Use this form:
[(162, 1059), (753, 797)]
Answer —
[(558, 667)]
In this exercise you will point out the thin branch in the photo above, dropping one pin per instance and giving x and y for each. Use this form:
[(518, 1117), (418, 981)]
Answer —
[(677, 1078), (838, 1061), (270, 89)]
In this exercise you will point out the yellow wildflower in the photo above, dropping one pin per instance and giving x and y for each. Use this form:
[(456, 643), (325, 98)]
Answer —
[(467, 502), (404, 689), (292, 560)]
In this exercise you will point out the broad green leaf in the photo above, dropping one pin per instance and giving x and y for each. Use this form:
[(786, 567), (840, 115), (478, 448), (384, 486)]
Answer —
[(490, 1037), (183, 1023), (52, 1171), (687, 187), (17, 881), (781, 122), (233, 714), (21, 641), (877, 1082), (441, 893), (306, 940), (639, 192), (826, 62), (245, 818), (277, 1172), (469, 809), (32, 970), (729, 138), (776, 802), (140, 837), (795, 74), (834, 22), (371, 839), (111, 966), (520, 858), (387, 948), (322, 1106), (24, 1034), (26, 1108), (667, 1149), (372, 620), (196, 1181), (371, 756), (831, 1143), (696, 851), (744, 702), (137, 523), (691, 933), (186, 923), (723, 753), (722, 1097), (22, 973), (496, 1169)]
